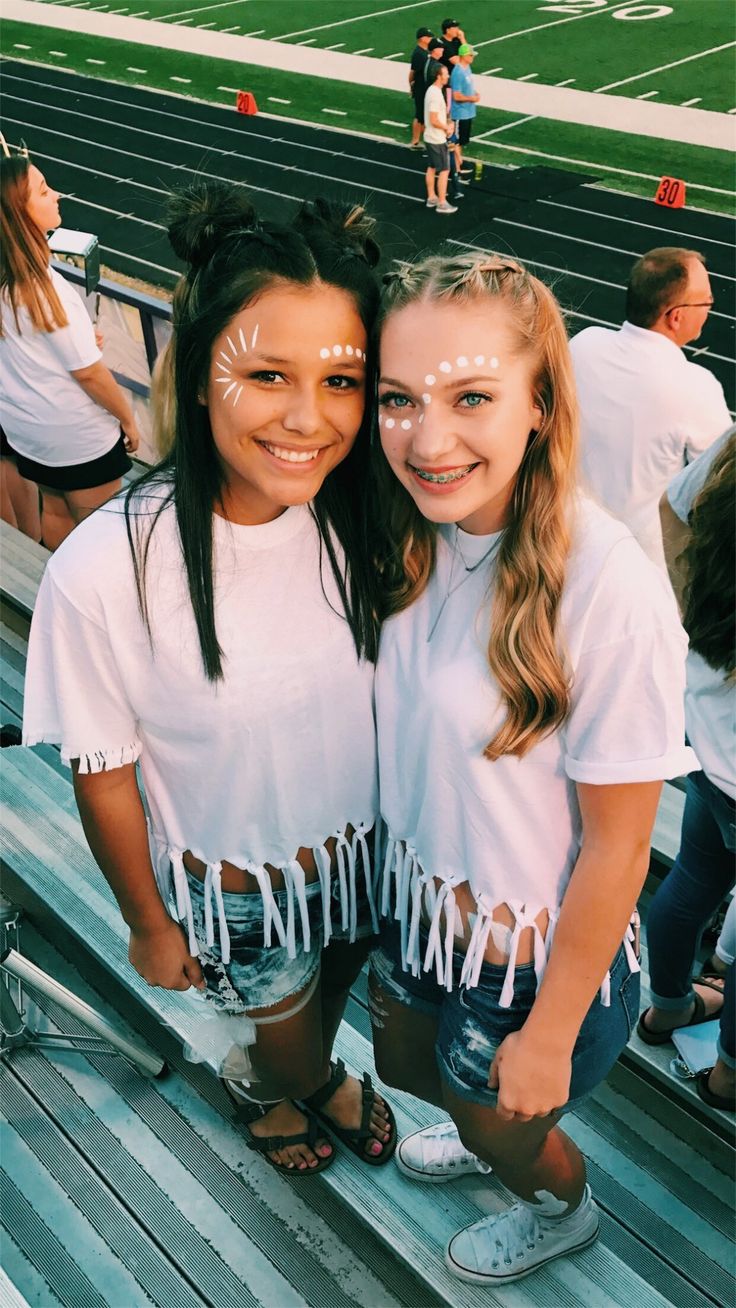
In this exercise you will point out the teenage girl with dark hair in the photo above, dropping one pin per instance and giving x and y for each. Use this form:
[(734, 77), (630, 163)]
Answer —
[(226, 639), (68, 423)]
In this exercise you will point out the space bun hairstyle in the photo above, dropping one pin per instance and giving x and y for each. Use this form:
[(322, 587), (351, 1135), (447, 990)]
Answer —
[(232, 256)]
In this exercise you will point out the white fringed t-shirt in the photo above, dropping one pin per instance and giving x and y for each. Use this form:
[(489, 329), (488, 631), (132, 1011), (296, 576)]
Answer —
[(511, 829), (278, 755)]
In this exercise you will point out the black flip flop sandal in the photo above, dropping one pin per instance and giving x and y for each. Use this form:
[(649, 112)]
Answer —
[(245, 1113), (664, 1037), (354, 1139), (702, 1085)]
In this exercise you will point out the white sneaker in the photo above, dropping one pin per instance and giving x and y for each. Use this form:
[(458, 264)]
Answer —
[(510, 1245), (446, 208), (436, 1154), (432, 202)]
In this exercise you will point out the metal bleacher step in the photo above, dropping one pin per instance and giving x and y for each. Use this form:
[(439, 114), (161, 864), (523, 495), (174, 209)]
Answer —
[(659, 1159)]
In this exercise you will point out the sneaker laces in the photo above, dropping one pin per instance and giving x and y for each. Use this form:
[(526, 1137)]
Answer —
[(442, 1148), (506, 1236)]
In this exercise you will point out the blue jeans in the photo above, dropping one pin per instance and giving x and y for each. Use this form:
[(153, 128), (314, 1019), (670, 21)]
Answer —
[(701, 877)]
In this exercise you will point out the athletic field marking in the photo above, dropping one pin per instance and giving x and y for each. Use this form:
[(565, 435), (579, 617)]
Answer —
[(311, 41), (184, 118), (18, 46), (258, 32), (567, 82), (491, 71), (139, 13), (231, 29), (576, 18), (358, 18), (493, 131), (59, 53), (136, 70), (651, 227), (340, 113), (570, 272), (398, 55), (202, 9), (113, 177), (201, 26), (732, 111), (687, 104), (232, 89), (527, 77), (581, 240), (647, 95), (389, 122), (120, 11), (99, 62), (728, 45), (339, 46), (274, 99), (367, 50), (599, 167), (181, 22), (187, 80), (118, 213)]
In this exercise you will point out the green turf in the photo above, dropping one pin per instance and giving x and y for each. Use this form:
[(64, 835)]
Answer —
[(585, 42), (369, 109)]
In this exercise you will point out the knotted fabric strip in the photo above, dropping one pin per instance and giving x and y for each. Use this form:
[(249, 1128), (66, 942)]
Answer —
[(183, 898), (360, 843), (271, 914)]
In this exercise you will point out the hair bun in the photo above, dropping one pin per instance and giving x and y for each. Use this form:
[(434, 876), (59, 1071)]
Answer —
[(348, 225), (201, 214)]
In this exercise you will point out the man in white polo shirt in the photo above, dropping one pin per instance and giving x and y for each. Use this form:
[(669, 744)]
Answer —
[(645, 410)]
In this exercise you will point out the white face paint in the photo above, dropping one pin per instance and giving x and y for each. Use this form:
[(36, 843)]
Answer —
[(232, 387), (336, 352)]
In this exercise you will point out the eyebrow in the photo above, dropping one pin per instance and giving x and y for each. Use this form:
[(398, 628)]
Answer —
[(346, 362)]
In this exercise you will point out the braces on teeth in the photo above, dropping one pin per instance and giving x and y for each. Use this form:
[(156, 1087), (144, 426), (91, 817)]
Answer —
[(441, 477)]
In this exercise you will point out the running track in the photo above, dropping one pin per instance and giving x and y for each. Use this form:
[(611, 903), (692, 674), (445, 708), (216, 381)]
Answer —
[(115, 151)]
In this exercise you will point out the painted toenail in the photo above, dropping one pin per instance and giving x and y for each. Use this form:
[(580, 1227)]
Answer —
[(376, 1148)]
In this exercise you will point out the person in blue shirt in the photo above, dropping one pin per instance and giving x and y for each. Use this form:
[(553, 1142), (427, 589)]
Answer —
[(464, 99)]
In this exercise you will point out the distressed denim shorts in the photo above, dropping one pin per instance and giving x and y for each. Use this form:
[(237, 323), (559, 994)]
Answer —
[(260, 976), (472, 1024)]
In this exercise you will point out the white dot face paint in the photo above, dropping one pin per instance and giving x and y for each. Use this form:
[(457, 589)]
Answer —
[(493, 363), (337, 351), (427, 398), (445, 366), (349, 349), (390, 423), (324, 353), (405, 424), (359, 354), (479, 360), (462, 361), (430, 379)]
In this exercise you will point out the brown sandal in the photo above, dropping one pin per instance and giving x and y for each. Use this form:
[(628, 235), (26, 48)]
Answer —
[(663, 1037), (247, 1112)]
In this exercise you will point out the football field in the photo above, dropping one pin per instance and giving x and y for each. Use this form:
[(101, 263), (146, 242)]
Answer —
[(679, 54)]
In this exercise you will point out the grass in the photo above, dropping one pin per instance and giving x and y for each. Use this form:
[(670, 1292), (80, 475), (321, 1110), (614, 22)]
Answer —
[(558, 41), (623, 162)]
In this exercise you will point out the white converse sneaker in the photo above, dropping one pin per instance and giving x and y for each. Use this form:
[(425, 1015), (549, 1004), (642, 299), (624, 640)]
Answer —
[(436, 1154), (510, 1245)]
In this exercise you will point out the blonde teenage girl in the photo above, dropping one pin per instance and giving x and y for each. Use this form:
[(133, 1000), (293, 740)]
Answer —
[(217, 624), (529, 695)]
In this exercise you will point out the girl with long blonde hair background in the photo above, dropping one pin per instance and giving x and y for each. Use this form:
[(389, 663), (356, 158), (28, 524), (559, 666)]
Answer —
[(529, 702)]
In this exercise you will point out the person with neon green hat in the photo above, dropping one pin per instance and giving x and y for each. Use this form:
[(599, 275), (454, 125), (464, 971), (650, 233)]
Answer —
[(464, 99)]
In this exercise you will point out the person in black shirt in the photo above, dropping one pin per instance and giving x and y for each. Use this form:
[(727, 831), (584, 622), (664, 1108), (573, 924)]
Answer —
[(417, 84), (452, 38)]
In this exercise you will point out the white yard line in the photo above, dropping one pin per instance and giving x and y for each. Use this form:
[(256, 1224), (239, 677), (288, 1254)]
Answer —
[(647, 95), (576, 18), (399, 54), (232, 89), (567, 82), (136, 70), (728, 45), (59, 53), (258, 32), (527, 77), (688, 104), (493, 131), (100, 62), (177, 13), (311, 41), (389, 122), (274, 99), (618, 218), (339, 113), (340, 45), (358, 18), (367, 50), (598, 167), (186, 80)]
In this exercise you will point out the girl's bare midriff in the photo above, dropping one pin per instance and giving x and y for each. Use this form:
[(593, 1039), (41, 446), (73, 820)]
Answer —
[(235, 880), (466, 908)]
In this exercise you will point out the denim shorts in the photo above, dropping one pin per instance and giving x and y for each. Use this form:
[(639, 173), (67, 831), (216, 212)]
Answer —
[(472, 1024), (260, 976)]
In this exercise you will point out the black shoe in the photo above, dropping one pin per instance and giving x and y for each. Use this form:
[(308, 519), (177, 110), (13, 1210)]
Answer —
[(10, 735)]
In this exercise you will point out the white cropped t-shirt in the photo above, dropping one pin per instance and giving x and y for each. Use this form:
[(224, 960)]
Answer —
[(278, 755), (511, 828), (44, 412)]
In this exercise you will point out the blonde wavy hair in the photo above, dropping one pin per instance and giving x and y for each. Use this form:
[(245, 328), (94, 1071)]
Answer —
[(524, 651)]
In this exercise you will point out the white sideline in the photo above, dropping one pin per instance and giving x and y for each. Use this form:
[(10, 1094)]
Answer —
[(667, 122)]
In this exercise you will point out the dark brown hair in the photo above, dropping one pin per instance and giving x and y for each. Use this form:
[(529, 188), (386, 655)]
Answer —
[(710, 561)]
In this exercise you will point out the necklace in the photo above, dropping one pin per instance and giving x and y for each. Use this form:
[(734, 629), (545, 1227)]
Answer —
[(468, 570)]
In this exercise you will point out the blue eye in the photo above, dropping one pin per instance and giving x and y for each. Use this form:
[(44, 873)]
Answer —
[(474, 399), (394, 400)]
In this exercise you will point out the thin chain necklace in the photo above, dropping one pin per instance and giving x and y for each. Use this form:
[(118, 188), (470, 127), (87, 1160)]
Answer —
[(468, 570)]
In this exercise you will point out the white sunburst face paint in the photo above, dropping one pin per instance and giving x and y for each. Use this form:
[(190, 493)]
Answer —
[(283, 414), (456, 409)]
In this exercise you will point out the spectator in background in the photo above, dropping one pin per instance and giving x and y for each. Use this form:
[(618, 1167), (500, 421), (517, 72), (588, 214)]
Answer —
[(701, 505), (436, 131), (60, 407), (418, 83), (452, 38), (435, 51), (19, 499), (645, 410), (464, 99)]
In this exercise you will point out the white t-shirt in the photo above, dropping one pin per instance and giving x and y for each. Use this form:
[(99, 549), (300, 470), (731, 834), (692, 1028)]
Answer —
[(435, 103), (280, 754), (44, 412), (710, 703), (511, 829), (645, 411)]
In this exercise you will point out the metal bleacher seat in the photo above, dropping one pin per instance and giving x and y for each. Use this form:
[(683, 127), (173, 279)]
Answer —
[(170, 1202)]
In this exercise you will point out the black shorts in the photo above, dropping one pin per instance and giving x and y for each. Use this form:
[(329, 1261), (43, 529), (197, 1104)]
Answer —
[(438, 156), (77, 476), (5, 450), (419, 108), (464, 127)]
